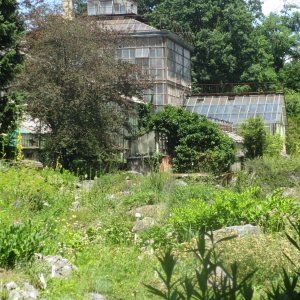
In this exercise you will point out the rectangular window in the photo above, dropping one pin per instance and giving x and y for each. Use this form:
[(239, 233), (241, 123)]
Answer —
[(142, 52)]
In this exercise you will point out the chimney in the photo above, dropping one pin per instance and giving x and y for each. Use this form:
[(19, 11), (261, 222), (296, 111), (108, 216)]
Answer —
[(67, 9)]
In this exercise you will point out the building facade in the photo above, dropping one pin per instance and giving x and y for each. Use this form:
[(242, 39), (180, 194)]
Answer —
[(165, 56)]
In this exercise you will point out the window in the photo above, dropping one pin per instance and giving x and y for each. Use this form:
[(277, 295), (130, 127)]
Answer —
[(141, 52)]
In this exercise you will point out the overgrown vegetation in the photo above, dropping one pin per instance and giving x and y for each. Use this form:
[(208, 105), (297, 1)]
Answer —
[(194, 143), (93, 228)]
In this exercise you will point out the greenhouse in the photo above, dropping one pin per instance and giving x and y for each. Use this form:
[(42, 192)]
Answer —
[(164, 55), (237, 108)]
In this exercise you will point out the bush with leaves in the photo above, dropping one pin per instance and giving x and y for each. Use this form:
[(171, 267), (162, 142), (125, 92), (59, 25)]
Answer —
[(227, 208), (18, 243), (254, 133), (194, 143)]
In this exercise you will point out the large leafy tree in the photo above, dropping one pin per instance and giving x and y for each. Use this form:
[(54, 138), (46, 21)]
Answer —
[(194, 143), (10, 64), (222, 32), (78, 89)]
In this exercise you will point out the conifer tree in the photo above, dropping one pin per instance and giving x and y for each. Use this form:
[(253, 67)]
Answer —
[(10, 64)]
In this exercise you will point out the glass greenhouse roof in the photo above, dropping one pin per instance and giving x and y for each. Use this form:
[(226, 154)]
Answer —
[(238, 108), (128, 26)]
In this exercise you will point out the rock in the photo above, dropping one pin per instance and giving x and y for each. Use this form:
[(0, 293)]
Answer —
[(144, 224), (241, 230), (75, 205), (134, 173), (95, 296), (126, 193), (11, 286), (218, 278), (60, 267), (110, 197), (86, 185), (148, 210), (291, 193), (26, 292), (180, 182)]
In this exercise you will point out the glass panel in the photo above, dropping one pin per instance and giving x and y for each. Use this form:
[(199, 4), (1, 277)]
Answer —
[(187, 53), (244, 108), (242, 117), (269, 107), (267, 117), (178, 49), (204, 109), (261, 108), (228, 109), (125, 53), (156, 63), (142, 52), (220, 109), (234, 118), (236, 108), (213, 109), (252, 108)]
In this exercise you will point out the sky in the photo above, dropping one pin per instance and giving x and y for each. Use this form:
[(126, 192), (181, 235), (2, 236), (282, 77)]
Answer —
[(268, 5), (276, 5)]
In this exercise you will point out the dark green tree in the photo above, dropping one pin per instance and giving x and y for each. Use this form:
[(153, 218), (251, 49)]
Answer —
[(255, 136), (222, 33), (283, 41), (78, 89), (193, 142), (11, 61)]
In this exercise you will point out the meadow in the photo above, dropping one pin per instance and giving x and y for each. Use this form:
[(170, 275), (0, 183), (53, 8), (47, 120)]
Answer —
[(114, 227)]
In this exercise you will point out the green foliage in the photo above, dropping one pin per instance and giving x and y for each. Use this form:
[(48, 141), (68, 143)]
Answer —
[(86, 119), (226, 208), (194, 143), (10, 64), (290, 286), (269, 173), (10, 35), (254, 133), (233, 41), (274, 145), (29, 190), (18, 243), (206, 282), (293, 131)]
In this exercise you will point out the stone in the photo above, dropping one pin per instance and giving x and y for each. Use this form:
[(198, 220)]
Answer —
[(134, 173), (25, 292), (291, 193), (75, 205), (95, 296), (110, 197), (144, 224), (148, 210), (60, 267), (240, 230), (180, 182)]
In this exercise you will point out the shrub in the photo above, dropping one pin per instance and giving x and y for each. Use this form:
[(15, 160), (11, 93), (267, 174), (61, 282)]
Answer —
[(18, 243), (269, 173), (254, 133), (194, 143), (228, 208)]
